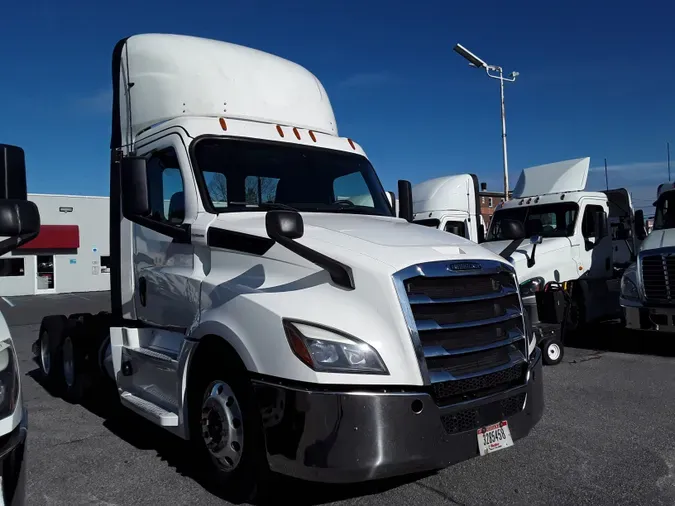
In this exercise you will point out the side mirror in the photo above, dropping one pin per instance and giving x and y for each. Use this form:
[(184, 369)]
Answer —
[(536, 239), (12, 173), (481, 233), (19, 221), (135, 196), (512, 230), (405, 200), (284, 224), (640, 230)]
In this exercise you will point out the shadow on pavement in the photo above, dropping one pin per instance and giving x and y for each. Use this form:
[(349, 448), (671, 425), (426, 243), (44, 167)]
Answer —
[(179, 454), (612, 336)]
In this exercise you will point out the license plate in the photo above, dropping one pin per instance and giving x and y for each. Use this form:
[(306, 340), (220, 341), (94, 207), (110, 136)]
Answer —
[(494, 437)]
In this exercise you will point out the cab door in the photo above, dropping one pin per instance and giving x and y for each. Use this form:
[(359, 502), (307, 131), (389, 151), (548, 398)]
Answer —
[(596, 246)]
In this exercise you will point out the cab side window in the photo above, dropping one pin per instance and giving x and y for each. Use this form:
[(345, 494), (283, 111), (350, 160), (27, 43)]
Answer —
[(165, 187), (588, 223)]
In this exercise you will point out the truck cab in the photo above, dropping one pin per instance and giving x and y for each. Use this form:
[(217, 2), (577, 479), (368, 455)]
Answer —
[(646, 299), (268, 305), (451, 204), (564, 239)]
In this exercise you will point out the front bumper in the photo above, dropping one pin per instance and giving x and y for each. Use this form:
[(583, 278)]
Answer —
[(341, 437), (12, 465), (659, 319)]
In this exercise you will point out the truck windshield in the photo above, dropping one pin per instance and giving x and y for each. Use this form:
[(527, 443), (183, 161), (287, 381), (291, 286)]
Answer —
[(548, 220), (250, 175), (665, 211)]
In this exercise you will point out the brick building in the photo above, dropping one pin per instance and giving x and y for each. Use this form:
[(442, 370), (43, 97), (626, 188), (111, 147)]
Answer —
[(488, 202)]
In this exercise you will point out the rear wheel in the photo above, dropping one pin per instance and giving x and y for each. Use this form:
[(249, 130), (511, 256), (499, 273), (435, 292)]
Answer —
[(227, 431), (73, 376), (52, 333)]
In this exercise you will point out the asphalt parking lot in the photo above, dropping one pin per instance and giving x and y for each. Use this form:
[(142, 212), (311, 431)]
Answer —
[(602, 440)]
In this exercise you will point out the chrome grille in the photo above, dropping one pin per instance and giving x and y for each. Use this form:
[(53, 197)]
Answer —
[(466, 322), (658, 274)]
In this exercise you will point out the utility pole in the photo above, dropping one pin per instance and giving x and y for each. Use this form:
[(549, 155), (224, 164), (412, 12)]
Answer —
[(668, 151), (606, 179)]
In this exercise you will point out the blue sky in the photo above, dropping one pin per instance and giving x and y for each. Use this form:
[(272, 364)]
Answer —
[(594, 81)]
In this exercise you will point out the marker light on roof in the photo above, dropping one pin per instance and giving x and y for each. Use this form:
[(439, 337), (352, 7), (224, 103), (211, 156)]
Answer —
[(223, 125), (351, 143), (313, 137), (296, 132), (281, 132)]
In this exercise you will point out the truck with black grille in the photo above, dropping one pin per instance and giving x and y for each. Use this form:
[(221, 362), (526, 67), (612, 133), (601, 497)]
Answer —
[(268, 304), (648, 285)]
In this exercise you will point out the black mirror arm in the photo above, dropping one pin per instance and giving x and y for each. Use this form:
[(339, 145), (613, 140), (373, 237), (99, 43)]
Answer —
[(530, 259), (340, 274)]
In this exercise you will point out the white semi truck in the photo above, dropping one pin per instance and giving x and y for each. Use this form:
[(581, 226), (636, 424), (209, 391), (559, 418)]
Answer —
[(451, 204), (647, 294), (19, 224), (265, 315), (569, 247)]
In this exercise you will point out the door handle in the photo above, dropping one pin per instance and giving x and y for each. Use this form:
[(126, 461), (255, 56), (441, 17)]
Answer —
[(142, 290)]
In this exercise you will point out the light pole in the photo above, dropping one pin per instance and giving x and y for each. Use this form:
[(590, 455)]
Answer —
[(494, 72)]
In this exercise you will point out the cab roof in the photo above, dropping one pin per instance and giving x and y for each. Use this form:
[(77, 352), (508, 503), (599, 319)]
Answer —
[(558, 177), (442, 193), (171, 76)]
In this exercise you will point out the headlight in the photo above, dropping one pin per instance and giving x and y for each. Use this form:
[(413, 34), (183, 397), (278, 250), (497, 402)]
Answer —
[(327, 350), (531, 286), (628, 289), (9, 379)]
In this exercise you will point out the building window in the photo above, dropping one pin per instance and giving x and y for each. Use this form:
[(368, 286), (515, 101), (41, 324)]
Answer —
[(482, 200), (11, 267), (489, 201), (105, 265)]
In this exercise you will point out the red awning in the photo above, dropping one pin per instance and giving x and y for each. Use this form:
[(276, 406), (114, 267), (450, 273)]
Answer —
[(55, 237)]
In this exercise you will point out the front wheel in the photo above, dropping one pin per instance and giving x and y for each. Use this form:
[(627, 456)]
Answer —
[(227, 431), (553, 351)]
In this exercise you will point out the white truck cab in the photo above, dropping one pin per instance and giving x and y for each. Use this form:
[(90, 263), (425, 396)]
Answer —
[(19, 224), (557, 235), (646, 298), (451, 204), (276, 312)]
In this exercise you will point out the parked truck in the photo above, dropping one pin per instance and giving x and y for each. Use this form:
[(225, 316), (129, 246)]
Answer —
[(451, 204), (647, 296), (19, 224), (569, 247), (266, 315)]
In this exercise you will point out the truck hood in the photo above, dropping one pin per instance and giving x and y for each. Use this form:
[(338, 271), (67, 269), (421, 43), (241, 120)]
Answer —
[(659, 239), (548, 249), (390, 241)]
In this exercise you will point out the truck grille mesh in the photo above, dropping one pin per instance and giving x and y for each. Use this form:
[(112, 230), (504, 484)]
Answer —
[(475, 418), (658, 271), (470, 327)]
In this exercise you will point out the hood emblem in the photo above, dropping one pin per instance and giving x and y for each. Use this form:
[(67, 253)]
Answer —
[(464, 266)]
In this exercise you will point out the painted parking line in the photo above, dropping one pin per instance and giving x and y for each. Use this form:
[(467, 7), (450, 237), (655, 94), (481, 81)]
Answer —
[(9, 302)]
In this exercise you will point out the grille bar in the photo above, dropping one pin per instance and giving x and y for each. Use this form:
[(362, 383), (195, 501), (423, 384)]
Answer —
[(426, 299), (657, 271), (510, 314), (441, 351)]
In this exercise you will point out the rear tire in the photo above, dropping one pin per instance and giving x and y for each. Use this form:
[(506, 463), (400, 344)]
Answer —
[(74, 377), (226, 429), (50, 345), (553, 351)]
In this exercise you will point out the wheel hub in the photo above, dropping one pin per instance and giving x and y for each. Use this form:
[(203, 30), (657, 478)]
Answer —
[(222, 426), (45, 358)]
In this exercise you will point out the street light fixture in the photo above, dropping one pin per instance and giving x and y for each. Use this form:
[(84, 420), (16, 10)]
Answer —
[(494, 72)]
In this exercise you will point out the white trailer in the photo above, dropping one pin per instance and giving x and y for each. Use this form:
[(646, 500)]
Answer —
[(451, 204), (647, 294), (557, 235), (19, 224), (269, 315)]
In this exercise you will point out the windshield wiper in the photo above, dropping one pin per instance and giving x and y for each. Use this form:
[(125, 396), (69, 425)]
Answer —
[(266, 205)]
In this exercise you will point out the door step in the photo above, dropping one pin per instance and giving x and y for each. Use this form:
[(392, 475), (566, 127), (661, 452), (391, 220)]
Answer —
[(149, 410), (152, 354)]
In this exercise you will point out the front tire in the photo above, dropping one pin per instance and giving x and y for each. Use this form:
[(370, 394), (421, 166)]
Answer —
[(226, 429)]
